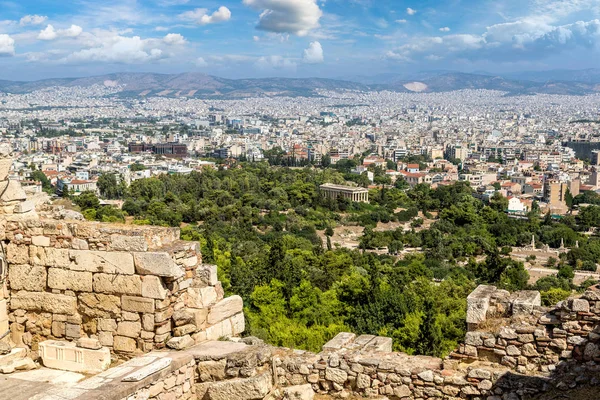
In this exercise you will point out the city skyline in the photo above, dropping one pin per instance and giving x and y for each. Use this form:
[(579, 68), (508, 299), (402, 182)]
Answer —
[(294, 38)]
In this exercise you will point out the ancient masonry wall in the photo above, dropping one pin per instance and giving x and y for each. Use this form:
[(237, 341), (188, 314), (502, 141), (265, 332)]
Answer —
[(132, 287), (528, 337)]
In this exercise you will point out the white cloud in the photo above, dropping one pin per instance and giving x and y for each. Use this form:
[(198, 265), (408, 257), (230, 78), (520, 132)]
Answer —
[(401, 21), (33, 20), (445, 29), (314, 53), (411, 11), (161, 29), (7, 46), (174, 39), (526, 39), (201, 62), (297, 17), (256, 38), (119, 49), (201, 16), (72, 31), (49, 33), (275, 62)]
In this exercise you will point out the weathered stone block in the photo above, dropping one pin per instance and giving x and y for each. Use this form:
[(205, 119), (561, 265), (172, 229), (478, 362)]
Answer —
[(148, 322), (154, 288), (68, 357), (238, 324), (158, 264), (339, 341), (43, 241), (13, 192), (106, 324), (127, 243), (118, 284), (99, 305), (57, 257), (137, 304), (254, 388), (16, 254), (208, 274), (526, 302), (129, 329), (43, 301), (109, 262), (106, 338), (299, 392), (181, 342), (124, 344), (219, 330), (224, 309), (27, 277), (478, 303), (64, 279)]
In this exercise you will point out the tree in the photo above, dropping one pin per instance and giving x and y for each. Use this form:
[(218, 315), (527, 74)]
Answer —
[(87, 200), (326, 161), (569, 199), (430, 335)]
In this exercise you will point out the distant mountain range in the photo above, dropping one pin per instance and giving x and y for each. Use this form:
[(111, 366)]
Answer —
[(205, 86)]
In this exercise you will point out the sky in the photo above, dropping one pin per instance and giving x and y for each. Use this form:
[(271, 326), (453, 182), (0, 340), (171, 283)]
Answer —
[(294, 38)]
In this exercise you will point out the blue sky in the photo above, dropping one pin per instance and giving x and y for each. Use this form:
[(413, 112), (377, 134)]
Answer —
[(294, 38)]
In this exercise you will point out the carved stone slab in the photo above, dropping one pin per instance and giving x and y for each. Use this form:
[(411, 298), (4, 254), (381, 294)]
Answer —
[(148, 370)]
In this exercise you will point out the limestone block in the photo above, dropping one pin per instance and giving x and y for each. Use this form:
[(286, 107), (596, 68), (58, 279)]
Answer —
[(181, 342), (254, 388), (336, 375), (200, 297), (105, 338), (27, 277), (224, 309), (12, 191), (526, 302), (238, 324), (379, 344), (148, 322), (37, 255), (67, 356), (300, 392), (89, 343), (124, 344), (24, 207), (107, 324), (109, 262), (57, 257), (118, 284), (16, 254), (43, 241), (64, 279), (44, 301), (5, 164), (580, 305), (219, 330), (99, 305), (478, 303), (129, 329), (159, 264), (207, 274), (187, 316), (79, 244), (137, 304), (184, 330), (341, 340), (58, 329), (154, 288), (127, 243), (73, 331)]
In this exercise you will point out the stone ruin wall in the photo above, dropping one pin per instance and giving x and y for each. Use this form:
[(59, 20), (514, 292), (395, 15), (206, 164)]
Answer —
[(515, 350), (131, 287)]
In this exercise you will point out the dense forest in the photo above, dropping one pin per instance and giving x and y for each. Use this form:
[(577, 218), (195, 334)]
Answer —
[(260, 225)]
